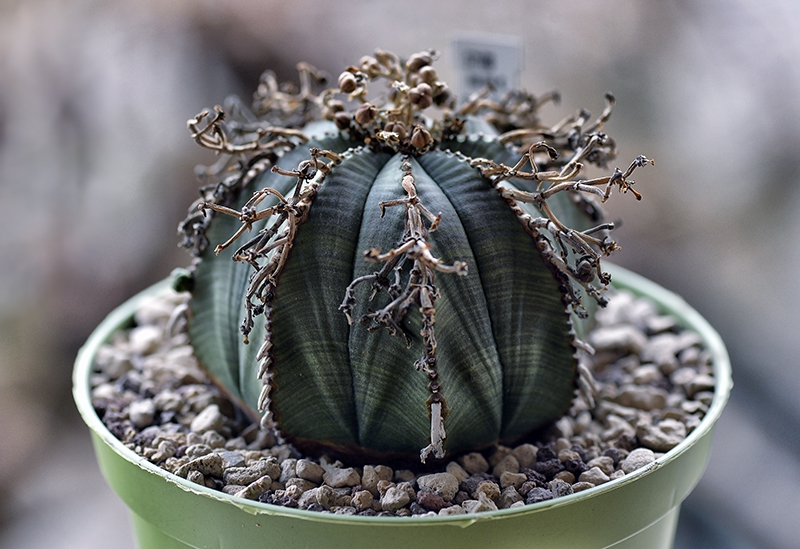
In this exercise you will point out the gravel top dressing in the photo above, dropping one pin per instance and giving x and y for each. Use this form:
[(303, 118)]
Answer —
[(652, 385)]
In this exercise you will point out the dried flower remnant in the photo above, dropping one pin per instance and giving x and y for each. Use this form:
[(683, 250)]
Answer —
[(582, 244)]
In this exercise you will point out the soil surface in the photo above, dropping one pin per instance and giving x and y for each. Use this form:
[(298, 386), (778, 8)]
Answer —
[(645, 388)]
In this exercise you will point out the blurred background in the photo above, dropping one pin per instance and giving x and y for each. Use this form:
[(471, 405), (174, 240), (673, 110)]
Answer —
[(96, 170)]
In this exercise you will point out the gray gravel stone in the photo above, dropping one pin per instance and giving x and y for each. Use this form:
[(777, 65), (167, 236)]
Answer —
[(637, 459), (698, 384), (526, 455), (694, 407), (371, 475), (244, 475), (498, 454), (617, 427), (647, 373), (444, 485), (337, 477), (293, 491), (255, 488), (288, 469), (604, 463), (566, 476), (168, 401), (508, 464), (395, 498), (209, 465), (658, 324), (307, 498), (662, 437), (705, 397), (480, 505), (210, 419), (404, 475), (362, 499), (197, 477), (166, 449), (145, 339), (514, 480), (566, 455), (683, 376), (452, 510), (142, 412), (456, 470), (491, 489), (624, 338), (581, 486), (594, 475), (408, 488), (299, 485), (642, 397), (119, 363), (326, 496), (213, 439), (563, 428), (537, 495), (309, 470), (474, 463), (384, 485), (104, 391), (232, 459), (559, 488), (692, 422), (197, 450), (237, 443), (508, 497)]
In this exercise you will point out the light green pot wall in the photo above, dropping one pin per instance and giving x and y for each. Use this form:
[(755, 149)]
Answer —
[(639, 510)]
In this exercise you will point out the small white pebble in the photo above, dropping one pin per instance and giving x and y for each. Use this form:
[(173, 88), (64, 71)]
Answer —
[(638, 458), (142, 412), (594, 475)]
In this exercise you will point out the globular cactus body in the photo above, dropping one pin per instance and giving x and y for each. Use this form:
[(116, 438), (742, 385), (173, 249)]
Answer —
[(398, 297)]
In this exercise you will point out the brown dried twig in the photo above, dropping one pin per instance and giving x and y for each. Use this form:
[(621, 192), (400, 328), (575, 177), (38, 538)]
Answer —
[(420, 291), (577, 253)]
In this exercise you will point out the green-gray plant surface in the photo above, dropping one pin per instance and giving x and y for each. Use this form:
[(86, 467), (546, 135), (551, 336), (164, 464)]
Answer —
[(384, 273)]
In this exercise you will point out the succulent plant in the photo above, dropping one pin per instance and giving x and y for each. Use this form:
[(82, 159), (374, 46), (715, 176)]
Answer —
[(394, 275)]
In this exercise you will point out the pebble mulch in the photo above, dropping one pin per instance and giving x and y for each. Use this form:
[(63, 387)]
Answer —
[(653, 384)]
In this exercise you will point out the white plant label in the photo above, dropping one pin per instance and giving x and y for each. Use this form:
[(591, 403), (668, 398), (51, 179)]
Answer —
[(487, 60)]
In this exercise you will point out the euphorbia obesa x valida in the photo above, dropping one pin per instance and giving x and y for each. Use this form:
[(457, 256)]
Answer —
[(395, 275)]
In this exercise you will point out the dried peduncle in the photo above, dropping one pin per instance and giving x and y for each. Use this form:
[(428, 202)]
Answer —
[(413, 253), (575, 254)]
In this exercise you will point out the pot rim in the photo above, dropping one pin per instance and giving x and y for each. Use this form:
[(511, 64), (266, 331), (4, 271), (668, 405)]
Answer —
[(667, 301)]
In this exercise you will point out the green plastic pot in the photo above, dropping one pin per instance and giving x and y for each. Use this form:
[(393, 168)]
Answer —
[(638, 510)]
